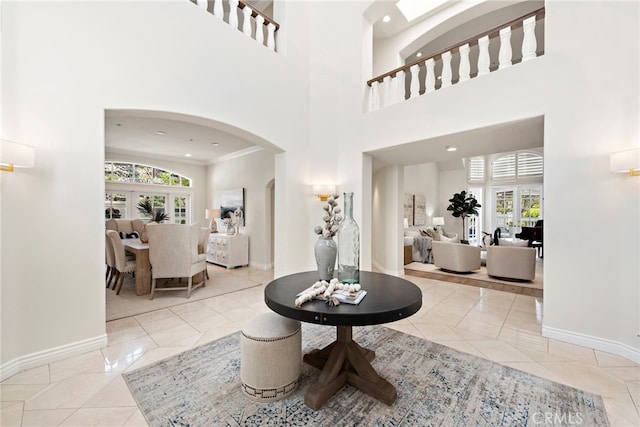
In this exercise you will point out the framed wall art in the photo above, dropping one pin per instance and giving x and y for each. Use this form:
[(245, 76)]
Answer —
[(230, 200)]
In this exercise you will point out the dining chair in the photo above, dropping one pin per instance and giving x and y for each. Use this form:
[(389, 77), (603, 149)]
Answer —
[(123, 265), (173, 253), (110, 259), (203, 240)]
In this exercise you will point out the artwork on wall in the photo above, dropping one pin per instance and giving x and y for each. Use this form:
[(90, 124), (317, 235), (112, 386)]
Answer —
[(408, 207), (230, 200), (419, 209)]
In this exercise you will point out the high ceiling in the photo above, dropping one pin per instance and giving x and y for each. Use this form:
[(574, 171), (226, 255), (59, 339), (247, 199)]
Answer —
[(171, 136)]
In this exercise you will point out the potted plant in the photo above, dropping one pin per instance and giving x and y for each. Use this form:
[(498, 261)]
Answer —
[(463, 206), (145, 207)]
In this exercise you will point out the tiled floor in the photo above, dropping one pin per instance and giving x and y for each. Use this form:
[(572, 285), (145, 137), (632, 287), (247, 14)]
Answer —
[(89, 390)]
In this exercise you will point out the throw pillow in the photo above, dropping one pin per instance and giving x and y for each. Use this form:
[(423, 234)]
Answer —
[(434, 234), (515, 242), (133, 235), (444, 238)]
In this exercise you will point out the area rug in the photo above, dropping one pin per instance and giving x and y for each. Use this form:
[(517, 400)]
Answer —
[(480, 278), (129, 304), (437, 386)]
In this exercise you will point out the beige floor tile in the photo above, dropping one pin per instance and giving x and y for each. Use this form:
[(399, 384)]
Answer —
[(136, 420), (129, 333), (437, 332), (487, 317), (406, 328), (441, 316), (195, 313), (239, 314), (70, 393), (215, 334), (121, 355), (20, 392), (634, 391), (222, 303), (621, 409), (209, 323), (528, 304), (526, 321), (89, 362), (625, 373), (500, 351), (472, 329), (572, 351), (611, 360), (169, 337), (103, 417), (155, 355), (46, 417), (154, 316), (534, 368), (11, 414), (461, 345), (154, 326), (113, 395), (587, 377), (39, 375), (524, 340)]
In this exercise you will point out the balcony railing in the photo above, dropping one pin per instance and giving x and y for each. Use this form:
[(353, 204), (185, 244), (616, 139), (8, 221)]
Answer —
[(242, 17), (479, 55)]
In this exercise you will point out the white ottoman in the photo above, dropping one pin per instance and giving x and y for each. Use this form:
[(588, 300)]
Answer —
[(271, 357)]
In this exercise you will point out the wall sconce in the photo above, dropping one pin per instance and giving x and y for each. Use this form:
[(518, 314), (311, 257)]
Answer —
[(437, 221), (323, 192), (16, 155), (627, 161), (212, 214)]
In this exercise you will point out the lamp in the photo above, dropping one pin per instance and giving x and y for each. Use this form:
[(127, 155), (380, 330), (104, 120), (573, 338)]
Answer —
[(627, 161), (323, 192), (212, 214), (17, 155), (437, 220)]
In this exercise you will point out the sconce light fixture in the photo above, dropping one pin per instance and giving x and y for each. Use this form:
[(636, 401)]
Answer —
[(437, 221), (14, 155), (212, 214), (324, 191), (627, 161)]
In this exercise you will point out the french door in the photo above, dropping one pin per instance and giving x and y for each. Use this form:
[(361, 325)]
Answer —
[(515, 207)]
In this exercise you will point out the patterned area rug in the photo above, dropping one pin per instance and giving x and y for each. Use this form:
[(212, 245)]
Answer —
[(436, 386)]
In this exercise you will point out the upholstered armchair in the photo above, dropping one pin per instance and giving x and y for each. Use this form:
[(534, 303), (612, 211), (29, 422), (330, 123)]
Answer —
[(511, 262), (173, 253), (456, 256)]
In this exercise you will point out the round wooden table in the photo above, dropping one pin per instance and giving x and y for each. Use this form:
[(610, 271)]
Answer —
[(389, 298)]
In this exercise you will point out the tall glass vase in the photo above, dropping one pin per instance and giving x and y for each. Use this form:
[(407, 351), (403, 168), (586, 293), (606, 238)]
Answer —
[(348, 245)]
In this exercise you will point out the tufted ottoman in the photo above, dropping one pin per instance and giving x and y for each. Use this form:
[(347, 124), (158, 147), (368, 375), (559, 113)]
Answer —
[(271, 357)]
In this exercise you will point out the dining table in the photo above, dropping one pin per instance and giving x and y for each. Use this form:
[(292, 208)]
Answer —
[(143, 265)]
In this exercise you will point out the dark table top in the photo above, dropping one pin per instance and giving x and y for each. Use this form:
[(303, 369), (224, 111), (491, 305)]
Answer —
[(389, 298)]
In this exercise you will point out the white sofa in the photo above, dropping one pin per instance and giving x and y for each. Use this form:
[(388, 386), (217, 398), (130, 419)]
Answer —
[(511, 262), (456, 257), (420, 242)]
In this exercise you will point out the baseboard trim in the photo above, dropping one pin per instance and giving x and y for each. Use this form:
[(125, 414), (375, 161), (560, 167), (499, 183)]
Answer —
[(596, 343), (51, 355), (261, 266)]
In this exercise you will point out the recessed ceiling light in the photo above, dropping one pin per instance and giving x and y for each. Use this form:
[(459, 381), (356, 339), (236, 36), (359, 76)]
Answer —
[(451, 148), (386, 18), (215, 144), (118, 124), (160, 132), (419, 54), (187, 155)]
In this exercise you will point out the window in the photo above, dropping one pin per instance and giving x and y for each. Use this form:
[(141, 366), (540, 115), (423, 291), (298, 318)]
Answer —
[(115, 205), (475, 169), (135, 173), (522, 164)]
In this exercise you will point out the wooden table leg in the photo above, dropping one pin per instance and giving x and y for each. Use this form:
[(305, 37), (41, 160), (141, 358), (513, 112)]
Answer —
[(344, 361), (143, 273)]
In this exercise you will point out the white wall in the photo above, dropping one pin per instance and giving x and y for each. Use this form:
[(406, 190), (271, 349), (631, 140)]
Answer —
[(254, 173), (424, 179), (59, 83), (451, 182), (387, 219)]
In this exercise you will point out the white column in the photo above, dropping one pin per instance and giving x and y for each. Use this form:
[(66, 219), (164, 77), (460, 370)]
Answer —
[(246, 23), (203, 4), (446, 69), (271, 36), (484, 60), (415, 83), (504, 56), (218, 10), (430, 80), (387, 92), (464, 72), (375, 96), (233, 13), (529, 42), (400, 79), (260, 29)]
